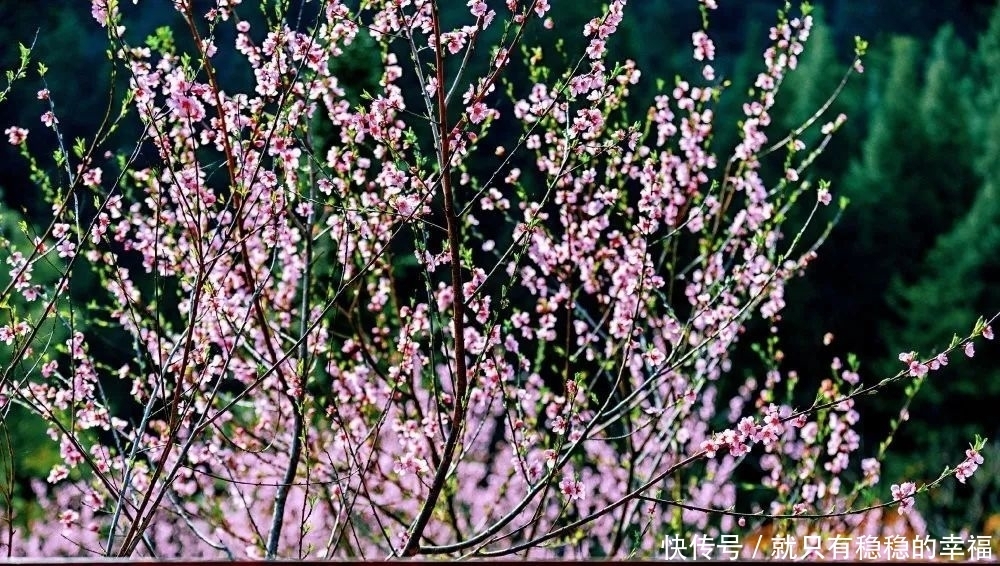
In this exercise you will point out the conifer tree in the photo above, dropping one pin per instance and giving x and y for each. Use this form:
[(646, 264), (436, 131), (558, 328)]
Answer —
[(966, 149), (955, 276), (878, 234)]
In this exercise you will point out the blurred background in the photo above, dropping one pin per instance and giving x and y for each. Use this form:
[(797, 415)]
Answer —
[(914, 259)]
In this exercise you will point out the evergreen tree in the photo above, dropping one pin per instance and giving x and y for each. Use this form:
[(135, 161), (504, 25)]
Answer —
[(945, 108), (914, 178), (954, 288), (951, 290), (878, 234)]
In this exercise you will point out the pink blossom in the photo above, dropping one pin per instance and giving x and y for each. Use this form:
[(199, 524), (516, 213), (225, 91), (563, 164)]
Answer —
[(918, 369), (541, 7), (49, 119), (851, 377), (92, 177), (572, 489), (411, 464), (871, 469), (654, 357), (454, 41), (477, 8), (969, 349), (49, 368), (66, 248), (595, 49), (99, 11), (704, 47), (7, 335), (478, 112), (186, 107), (407, 205), (68, 518), (747, 428), (15, 135), (904, 495), (710, 447), (964, 471), (988, 332), (58, 473)]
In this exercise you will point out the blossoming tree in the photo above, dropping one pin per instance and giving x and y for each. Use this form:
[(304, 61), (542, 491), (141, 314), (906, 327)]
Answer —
[(357, 343)]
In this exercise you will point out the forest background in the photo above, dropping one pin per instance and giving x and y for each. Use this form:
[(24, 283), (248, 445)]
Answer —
[(914, 256)]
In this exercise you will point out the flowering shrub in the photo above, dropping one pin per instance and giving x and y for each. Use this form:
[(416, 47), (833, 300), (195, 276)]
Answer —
[(359, 344)]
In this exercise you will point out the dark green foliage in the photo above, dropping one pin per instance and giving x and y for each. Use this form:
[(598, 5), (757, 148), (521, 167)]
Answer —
[(957, 280)]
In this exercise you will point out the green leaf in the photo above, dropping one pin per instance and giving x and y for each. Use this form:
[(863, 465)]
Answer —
[(79, 147), (860, 46)]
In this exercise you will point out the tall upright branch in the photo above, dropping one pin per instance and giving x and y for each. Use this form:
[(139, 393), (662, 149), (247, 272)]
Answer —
[(458, 304)]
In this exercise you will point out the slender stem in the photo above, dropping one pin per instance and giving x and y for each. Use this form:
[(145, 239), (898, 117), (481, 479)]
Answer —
[(295, 453)]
